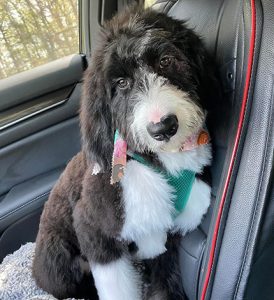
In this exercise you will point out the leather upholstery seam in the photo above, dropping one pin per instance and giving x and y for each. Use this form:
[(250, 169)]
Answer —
[(24, 205), (166, 6), (169, 4), (198, 270)]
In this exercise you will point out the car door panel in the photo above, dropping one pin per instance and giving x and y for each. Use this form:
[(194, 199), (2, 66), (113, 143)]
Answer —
[(39, 153), (41, 80), (39, 133), (26, 197), (20, 232)]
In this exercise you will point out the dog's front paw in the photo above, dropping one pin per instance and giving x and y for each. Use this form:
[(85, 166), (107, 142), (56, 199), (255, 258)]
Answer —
[(151, 245), (117, 280), (196, 207)]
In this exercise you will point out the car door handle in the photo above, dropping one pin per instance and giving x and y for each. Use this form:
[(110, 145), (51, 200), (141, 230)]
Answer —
[(29, 109)]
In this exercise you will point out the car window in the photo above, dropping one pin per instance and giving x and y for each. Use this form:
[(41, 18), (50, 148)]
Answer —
[(35, 32)]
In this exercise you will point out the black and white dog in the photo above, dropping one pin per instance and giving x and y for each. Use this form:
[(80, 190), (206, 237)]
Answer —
[(149, 80)]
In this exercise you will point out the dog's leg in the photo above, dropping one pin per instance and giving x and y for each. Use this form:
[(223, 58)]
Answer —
[(59, 271), (117, 280), (97, 220), (58, 266), (196, 207), (164, 270), (114, 275), (151, 245)]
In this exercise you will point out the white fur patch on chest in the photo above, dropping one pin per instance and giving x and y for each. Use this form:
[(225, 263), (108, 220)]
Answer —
[(148, 202)]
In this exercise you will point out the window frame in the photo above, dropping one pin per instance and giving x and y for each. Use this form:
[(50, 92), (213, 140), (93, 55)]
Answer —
[(79, 50)]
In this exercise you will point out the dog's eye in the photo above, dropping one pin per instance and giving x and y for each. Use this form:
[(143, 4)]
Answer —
[(123, 83), (166, 61)]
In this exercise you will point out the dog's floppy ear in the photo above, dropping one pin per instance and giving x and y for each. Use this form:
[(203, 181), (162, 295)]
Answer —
[(95, 116)]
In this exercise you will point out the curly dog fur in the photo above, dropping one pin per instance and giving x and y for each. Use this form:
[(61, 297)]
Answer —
[(86, 238)]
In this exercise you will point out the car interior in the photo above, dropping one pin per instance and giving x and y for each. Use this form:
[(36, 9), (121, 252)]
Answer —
[(230, 255)]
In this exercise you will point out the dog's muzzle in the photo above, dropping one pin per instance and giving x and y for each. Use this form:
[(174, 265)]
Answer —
[(165, 129)]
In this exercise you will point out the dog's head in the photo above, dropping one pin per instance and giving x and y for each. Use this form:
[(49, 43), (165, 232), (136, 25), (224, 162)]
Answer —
[(146, 79)]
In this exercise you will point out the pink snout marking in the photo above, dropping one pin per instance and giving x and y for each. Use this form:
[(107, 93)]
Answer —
[(155, 116)]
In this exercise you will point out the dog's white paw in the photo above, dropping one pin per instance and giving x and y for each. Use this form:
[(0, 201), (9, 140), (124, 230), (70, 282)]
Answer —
[(196, 207), (151, 245), (117, 280)]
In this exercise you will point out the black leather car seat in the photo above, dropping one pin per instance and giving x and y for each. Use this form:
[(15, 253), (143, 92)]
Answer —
[(216, 259)]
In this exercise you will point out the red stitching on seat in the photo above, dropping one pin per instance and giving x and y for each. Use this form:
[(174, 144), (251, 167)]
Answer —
[(235, 148)]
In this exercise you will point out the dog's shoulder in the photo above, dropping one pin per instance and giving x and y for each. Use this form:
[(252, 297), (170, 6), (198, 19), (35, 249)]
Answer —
[(69, 185)]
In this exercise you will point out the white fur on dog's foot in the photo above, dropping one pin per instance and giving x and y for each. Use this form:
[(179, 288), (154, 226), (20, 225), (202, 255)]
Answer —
[(117, 280), (152, 245), (196, 207)]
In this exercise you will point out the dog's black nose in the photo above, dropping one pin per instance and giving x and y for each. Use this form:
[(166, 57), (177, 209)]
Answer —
[(165, 129)]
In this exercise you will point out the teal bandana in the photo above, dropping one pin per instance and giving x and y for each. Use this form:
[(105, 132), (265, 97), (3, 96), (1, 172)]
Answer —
[(181, 183)]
